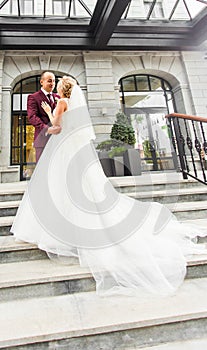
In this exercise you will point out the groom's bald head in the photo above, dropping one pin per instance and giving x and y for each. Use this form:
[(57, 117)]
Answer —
[(47, 81)]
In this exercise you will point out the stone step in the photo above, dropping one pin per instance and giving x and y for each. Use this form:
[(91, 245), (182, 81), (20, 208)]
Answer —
[(5, 225), (6, 197), (165, 188), (172, 195), (40, 278), (44, 277), (152, 182), (126, 184), (8, 221), (189, 210), (85, 321), (13, 251), (193, 344), (194, 217), (8, 208), (12, 191)]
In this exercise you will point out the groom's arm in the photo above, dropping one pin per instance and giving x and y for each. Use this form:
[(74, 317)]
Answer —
[(32, 112)]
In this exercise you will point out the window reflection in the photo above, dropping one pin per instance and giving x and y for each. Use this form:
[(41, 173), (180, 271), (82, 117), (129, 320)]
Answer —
[(16, 102), (129, 84), (155, 83), (146, 108), (142, 83), (79, 8)]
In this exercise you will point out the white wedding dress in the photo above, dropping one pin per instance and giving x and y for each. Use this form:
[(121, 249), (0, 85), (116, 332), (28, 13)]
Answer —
[(70, 208)]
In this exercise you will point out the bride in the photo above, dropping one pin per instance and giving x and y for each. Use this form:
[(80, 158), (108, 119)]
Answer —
[(70, 208)]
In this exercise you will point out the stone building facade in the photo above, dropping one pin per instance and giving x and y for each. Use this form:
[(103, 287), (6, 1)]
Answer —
[(99, 74)]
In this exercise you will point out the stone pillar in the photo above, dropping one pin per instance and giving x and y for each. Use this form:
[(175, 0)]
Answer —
[(6, 126), (183, 99), (7, 173), (196, 69), (1, 75), (102, 94)]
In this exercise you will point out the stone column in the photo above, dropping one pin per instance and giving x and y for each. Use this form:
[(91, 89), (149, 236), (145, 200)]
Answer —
[(196, 68), (101, 92), (6, 126), (1, 75), (183, 99), (8, 173)]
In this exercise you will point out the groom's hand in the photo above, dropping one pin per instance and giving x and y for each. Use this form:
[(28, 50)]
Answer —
[(53, 130)]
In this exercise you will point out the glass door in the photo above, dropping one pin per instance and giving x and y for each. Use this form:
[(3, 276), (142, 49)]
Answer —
[(22, 132), (22, 151), (152, 139), (146, 100)]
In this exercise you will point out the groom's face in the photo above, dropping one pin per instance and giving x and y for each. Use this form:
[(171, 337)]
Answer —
[(48, 82)]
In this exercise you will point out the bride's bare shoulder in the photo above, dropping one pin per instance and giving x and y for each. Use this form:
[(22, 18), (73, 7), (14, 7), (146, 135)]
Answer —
[(62, 100)]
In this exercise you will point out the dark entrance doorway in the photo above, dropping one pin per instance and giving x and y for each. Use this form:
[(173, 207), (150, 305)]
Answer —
[(22, 133)]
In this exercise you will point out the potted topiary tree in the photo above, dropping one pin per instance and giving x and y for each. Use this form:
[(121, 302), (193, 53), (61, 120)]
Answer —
[(119, 145), (123, 131), (124, 134)]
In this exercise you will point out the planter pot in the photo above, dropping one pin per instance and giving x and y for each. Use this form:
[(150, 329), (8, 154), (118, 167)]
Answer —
[(107, 164), (132, 162), (119, 166)]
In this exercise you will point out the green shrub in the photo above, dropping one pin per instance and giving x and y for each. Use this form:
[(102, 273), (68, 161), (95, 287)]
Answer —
[(116, 152), (122, 136), (122, 130)]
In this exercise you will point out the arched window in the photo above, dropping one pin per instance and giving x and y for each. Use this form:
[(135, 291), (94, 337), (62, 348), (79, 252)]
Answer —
[(146, 99)]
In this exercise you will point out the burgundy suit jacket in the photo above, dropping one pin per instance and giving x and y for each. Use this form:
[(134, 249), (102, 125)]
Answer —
[(38, 117)]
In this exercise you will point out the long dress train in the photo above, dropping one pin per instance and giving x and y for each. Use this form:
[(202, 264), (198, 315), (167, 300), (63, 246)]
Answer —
[(70, 208)]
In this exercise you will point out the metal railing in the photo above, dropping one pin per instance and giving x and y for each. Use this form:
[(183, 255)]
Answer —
[(189, 138)]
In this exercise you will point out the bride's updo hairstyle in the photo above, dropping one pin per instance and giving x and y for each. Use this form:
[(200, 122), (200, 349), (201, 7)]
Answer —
[(66, 84)]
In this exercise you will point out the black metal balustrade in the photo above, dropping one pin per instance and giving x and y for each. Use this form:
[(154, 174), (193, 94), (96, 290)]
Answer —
[(189, 138)]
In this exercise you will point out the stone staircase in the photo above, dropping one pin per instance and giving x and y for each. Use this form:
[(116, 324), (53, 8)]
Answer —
[(49, 305)]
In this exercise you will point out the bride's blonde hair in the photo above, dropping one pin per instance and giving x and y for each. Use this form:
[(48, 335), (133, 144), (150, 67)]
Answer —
[(66, 84)]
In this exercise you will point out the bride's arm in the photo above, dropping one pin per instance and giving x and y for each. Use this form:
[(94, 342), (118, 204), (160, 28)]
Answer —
[(60, 109), (47, 109)]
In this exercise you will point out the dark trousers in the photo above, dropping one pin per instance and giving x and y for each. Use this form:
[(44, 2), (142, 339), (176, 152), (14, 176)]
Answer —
[(39, 151)]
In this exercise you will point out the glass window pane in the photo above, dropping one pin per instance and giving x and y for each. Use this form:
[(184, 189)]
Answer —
[(166, 86), (5, 10), (133, 100), (128, 84), (17, 87), (142, 83), (24, 101), (16, 131), (29, 85), (16, 102), (170, 102), (59, 8), (155, 83), (15, 155), (14, 7), (30, 151), (27, 7), (27, 171)]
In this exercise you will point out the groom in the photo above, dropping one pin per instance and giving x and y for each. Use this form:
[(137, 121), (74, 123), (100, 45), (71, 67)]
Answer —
[(37, 116)]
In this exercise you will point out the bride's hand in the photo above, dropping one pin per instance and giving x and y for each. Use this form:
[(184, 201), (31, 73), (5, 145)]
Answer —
[(46, 107), (53, 130)]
